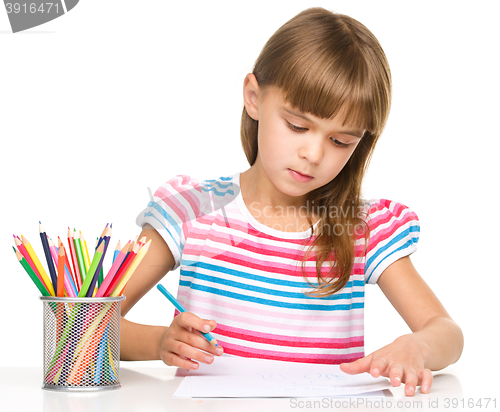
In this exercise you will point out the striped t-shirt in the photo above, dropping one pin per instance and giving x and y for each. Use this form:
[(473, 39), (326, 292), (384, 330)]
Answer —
[(248, 276)]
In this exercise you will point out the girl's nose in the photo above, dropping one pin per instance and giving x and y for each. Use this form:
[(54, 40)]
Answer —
[(312, 150)]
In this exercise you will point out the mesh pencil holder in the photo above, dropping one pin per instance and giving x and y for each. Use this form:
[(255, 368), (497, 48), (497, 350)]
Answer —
[(81, 343)]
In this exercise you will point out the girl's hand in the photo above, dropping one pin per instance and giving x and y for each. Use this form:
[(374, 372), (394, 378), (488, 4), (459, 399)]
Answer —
[(182, 344), (401, 361)]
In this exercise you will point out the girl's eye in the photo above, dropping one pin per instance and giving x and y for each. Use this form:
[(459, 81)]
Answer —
[(338, 143), (295, 128)]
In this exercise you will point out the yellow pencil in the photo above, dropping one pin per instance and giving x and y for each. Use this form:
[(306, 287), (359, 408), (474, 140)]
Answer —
[(38, 265), (121, 284), (86, 254)]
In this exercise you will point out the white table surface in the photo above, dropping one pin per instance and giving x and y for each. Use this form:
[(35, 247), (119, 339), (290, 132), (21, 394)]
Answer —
[(152, 389)]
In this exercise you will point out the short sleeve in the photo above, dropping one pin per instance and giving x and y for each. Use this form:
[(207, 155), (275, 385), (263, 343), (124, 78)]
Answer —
[(171, 211), (394, 233)]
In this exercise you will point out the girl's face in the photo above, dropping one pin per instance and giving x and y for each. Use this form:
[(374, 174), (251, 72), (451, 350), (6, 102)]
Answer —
[(298, 151)]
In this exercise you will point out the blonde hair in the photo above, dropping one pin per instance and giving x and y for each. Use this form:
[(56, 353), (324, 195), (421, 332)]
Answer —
[(329, 64)]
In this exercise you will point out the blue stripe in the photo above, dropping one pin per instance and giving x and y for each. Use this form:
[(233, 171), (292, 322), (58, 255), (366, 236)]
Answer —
[(267, 302), (272, 292), (167, 217), (221, 194), (406, 245), (150, 214), (258, 278), (403, 234)]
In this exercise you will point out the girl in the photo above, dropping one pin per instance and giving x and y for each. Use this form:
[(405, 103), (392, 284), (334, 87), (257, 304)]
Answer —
[(274, 260)]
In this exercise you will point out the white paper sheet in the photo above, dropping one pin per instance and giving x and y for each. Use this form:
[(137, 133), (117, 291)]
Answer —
[(236, 377)]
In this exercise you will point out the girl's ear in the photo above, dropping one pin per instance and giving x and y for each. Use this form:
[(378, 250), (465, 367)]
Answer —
[(251, 92)]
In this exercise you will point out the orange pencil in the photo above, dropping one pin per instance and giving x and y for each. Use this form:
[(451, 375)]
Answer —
[(61, 260)]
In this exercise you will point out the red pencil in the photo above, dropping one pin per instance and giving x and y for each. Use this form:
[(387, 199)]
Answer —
[(122, 270)]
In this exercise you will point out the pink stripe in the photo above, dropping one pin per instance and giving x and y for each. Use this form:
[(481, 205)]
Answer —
[(389, 231), (184, 292), (216, 315), (243, 351), (296, 341), (255, 246), (294, 270)]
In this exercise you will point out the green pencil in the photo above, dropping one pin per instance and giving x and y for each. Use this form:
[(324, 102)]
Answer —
[(79, 255), (90, 275), (32, 274)]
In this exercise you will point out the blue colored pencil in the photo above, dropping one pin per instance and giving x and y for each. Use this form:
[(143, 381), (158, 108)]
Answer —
[(182, 309), (117, 251)]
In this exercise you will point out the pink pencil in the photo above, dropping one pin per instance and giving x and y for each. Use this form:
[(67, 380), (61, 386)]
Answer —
[(112, 272)]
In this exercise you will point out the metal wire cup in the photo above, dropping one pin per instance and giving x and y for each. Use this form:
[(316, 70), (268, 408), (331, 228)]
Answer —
[(81, 343)]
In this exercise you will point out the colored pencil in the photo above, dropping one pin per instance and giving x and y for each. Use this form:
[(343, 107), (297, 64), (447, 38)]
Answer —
[(85, 250), (130, 271), (182, 309), (38, 265), (107, 234), (101, 292), (69, 286), (117, 251), (74, 260), (88, 279), (105, 242), (123, 268), (48, 257), (69, 271), (79, 255), (31, 273), (60, 273), (26, 255)]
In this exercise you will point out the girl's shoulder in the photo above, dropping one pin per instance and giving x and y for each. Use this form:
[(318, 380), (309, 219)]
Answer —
[(190, 185), (200, 196), (376, 211), (394, 231)]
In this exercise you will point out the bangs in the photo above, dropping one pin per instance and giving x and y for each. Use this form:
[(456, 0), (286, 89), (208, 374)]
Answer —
[(329, 71)]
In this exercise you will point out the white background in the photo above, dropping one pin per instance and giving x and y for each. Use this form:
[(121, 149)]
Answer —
[(118, 96)]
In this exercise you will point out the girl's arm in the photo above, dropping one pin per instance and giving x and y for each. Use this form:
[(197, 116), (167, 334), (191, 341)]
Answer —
[(435, 343), (175, 345)]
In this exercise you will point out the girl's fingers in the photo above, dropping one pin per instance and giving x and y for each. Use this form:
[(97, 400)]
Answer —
[(185, 356), (359, 366), (172, 359), (190, 320), (396, 374), (426, 379), (378, 367), (411, 381)]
